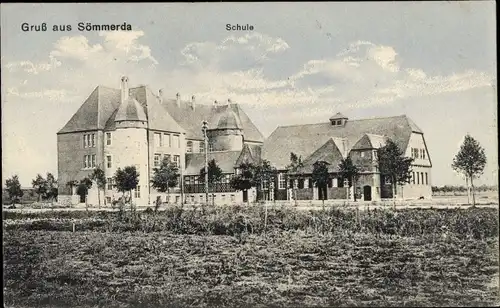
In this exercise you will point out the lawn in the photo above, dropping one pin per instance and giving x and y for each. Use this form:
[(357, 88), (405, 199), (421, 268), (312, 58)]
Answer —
[(300, 259)]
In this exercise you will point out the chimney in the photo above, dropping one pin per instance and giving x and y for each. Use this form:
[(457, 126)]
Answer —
[(229, 102), (178, 99), (160, 95), (124, 88), (216, 104), (193, 102)]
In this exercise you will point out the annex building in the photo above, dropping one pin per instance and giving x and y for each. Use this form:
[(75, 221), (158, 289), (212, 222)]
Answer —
[(115, 128)]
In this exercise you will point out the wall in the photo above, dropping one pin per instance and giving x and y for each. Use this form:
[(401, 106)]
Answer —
[(417, 141), (172, 150), (70, 154), (419, 189), (337, 193), (129, 147)]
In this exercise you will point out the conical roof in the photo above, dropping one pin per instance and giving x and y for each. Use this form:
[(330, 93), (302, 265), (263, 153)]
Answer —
[(227, 119), (130, 110)]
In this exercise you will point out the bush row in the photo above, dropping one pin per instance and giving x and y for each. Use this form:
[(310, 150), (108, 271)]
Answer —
[(477, 223)]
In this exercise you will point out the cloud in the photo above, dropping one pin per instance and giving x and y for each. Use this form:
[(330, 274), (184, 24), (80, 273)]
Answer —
[(33, 68)]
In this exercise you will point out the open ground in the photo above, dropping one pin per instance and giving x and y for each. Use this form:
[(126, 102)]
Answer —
[(241, 257)]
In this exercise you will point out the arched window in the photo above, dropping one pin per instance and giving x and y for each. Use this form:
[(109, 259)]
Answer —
[(189, 147)]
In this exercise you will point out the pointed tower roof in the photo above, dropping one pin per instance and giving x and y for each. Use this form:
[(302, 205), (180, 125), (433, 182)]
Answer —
[(226, 118), (130, 110)]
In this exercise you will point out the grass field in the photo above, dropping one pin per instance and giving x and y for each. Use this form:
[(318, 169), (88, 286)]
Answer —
[(230, 258)]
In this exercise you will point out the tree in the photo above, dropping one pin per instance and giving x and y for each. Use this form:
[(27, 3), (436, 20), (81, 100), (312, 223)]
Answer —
[(99, 177), (265, 174), (126, 180), (350, 172), (470, 161), (295, 165), (394, 165), (51, 187), (13, 188), (245, 177), (40, 186), (320, 176), (164, 178), (214, 176)]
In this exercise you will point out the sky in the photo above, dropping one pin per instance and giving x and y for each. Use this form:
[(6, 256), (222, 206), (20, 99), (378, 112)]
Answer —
[(301, 63)]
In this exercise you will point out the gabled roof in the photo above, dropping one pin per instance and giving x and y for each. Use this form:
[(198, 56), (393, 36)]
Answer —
[(95, 111), (370, 141), (100, 109), (191, 119), (328, 152), (225, 160), (305, 139)]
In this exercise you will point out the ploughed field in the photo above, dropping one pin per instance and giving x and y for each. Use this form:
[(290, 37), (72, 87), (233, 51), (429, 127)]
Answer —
[(230, 257)]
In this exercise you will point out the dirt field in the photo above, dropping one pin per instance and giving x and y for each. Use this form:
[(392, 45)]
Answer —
[(283, 268)]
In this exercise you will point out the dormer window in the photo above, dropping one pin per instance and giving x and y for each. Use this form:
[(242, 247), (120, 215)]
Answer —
[(338, 119)]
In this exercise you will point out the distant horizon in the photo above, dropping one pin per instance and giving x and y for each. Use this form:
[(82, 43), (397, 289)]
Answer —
[(301, 63)]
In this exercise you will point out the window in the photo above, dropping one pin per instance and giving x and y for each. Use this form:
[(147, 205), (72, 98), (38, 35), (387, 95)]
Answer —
[(89, 161), (281, 181), (210, 147), (167, 140), (189, 147), (202, 147), (158, 141), (167, 157), (306, 183), (89, 140), (418, 178), (108, 161), (375, 155), (157, 160), (110, 182), (177, 141), (426, 179), (422, 175), (108, 138), (202, 198), (108, 200), (413, 177), (233, 198), (177, 160), (362, 154), (300, 184), (334, 182), (423, 153), (177, 198), (137, 192), (340, 182)]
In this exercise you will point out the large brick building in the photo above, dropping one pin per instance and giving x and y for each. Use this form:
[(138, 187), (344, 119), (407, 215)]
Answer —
[(338, 138), (115, 128)]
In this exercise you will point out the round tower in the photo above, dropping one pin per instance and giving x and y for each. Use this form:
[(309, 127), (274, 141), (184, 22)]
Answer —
[(130, 145), (225, 133)]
